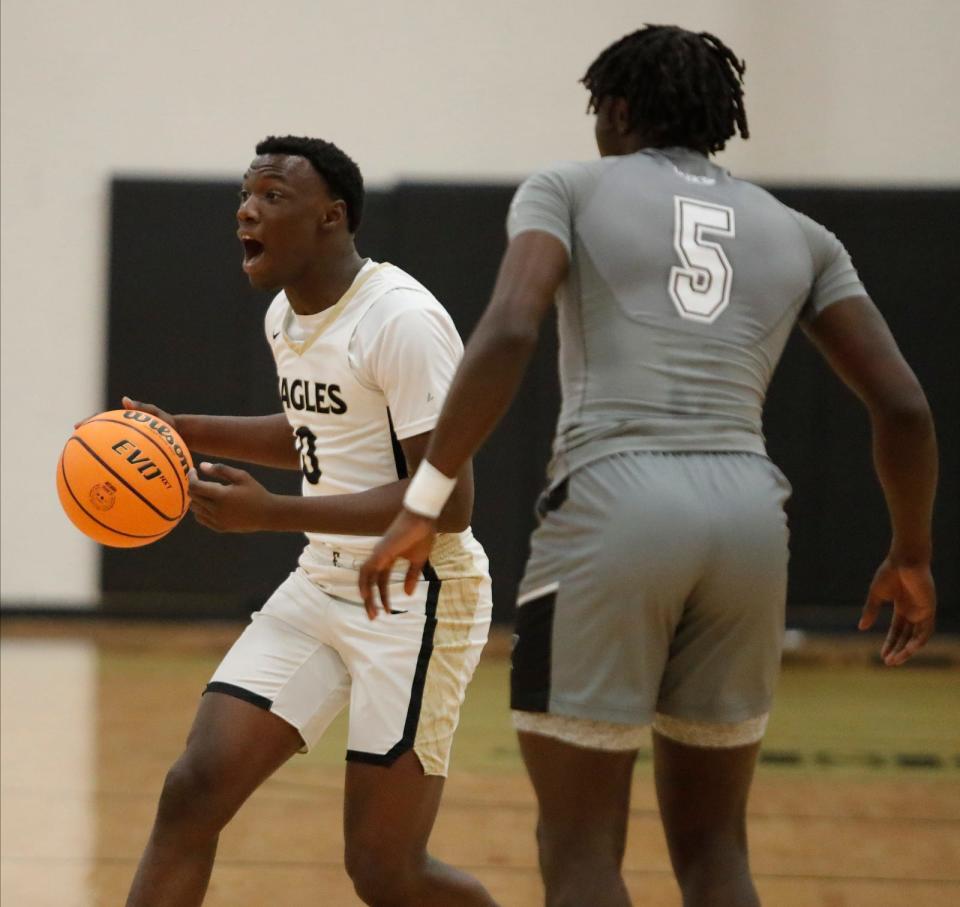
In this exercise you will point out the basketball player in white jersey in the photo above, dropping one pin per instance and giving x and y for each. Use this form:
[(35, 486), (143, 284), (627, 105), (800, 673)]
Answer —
[(655, 588), (364, 357)]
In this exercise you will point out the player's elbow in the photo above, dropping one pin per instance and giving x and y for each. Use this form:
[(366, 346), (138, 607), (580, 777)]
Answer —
[(905, 421), (454, 520), (521, 334), (453, 524), (511, 326), (456, 515), (907, 409)]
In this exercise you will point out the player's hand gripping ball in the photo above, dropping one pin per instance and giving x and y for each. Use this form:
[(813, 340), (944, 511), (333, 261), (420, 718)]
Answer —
[(122, 478)]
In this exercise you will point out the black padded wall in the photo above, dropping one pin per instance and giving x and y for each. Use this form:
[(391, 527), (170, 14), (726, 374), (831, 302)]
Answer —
[(819, 433), (185, 332)]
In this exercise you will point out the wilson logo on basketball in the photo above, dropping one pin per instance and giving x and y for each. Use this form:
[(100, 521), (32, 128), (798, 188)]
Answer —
[(103, 496), (163, 431)]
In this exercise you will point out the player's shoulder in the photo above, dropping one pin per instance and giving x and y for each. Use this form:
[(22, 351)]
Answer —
[(577, 169), (569, 175), (389, 277), (820, 241), (393, 294), (753, 194), (562, 186), (393, 290), (276, 311)]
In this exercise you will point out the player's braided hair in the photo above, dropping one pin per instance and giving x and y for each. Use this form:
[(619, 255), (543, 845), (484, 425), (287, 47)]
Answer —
[(339, 171), (682, 88)]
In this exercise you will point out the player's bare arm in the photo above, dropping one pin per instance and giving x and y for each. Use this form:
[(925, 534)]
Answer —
[(856, 342), (486, 382), (499, 350), (231, 500), (264, 440)]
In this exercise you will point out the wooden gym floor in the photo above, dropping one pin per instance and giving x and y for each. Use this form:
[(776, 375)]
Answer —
[(856, 802)]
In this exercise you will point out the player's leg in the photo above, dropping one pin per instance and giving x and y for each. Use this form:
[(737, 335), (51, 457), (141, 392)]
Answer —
[(389, 813), (410, 671), (583, 796), (274, 693), (609, 564), (718, 683), (703, 803), (232, 748)]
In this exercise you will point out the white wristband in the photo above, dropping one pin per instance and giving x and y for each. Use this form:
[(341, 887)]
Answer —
[(428, 491)]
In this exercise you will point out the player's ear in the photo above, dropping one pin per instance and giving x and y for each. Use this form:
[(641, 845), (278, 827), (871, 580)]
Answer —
[(620, 115), (334, 214)]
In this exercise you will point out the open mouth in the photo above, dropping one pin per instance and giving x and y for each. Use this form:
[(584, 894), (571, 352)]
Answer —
[(252, 250)]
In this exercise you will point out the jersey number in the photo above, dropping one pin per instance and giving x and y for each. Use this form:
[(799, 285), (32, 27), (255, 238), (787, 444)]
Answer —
[(307, 446), (700, 287)]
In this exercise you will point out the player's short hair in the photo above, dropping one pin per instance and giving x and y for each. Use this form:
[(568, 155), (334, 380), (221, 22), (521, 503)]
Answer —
[(682, 88), (339, 171)]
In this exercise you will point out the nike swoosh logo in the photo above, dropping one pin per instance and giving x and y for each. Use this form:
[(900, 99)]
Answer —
[(276, 334)]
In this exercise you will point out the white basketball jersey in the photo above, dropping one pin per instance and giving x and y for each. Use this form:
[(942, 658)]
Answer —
[(354, 380)]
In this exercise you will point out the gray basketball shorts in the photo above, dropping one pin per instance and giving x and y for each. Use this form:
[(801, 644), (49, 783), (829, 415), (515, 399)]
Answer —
[(656, 584)]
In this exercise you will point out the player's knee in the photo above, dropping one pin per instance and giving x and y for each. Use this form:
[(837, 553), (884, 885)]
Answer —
[(572, 876), (189, 797), (379, 886), (565, 849), (379, 879), (721, 878), (557, 846), (705, 854)]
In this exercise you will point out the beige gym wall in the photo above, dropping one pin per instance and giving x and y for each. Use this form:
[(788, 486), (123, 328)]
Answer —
[(838, 91)]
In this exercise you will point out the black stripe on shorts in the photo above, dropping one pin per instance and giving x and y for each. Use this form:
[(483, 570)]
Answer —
[(230, 689), (406, 742), (530, 661)]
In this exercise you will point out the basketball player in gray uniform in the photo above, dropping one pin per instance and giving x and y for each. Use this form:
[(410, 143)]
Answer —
[(654, 593)]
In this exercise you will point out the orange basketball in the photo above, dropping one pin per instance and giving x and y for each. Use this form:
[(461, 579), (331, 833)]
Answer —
[(122, 478)]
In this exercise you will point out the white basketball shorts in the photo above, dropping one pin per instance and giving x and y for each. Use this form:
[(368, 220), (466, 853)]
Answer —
[(306, 654)]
